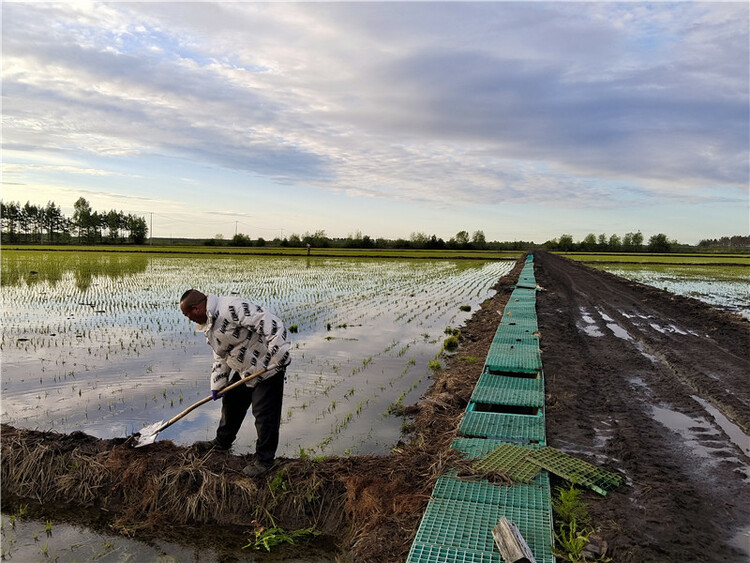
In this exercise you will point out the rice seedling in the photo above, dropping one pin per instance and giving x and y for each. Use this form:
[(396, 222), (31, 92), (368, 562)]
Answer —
[(110, 327)]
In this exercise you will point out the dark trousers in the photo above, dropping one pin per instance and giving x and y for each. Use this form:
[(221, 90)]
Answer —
[(265, 399)]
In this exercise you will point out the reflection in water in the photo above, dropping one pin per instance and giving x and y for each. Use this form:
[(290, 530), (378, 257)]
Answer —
[(33, 267), (97, 342)]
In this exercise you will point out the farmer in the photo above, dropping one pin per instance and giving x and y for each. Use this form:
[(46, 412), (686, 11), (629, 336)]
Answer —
[(245, 339)]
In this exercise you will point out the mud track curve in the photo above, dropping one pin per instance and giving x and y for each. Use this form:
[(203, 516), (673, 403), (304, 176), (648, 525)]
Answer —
[(633, 375)]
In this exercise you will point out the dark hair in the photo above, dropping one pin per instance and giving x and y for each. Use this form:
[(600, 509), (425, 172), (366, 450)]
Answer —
[(192, 297)]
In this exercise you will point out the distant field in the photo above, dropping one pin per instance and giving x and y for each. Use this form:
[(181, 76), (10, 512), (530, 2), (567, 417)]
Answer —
[(286, 251), (643, 258)]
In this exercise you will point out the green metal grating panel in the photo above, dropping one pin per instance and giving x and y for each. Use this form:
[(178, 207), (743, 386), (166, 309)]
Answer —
[(534, 496), (515, 427), (513, 357), (420, 553), (576, 470), (468, 525), (526, 338), (474, 447), (480, 447), (524, 295), (512, 461), (519, 322), (503, 390), (520, 309)]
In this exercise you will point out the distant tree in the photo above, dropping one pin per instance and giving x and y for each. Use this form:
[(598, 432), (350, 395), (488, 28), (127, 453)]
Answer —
[(241, 240), (419, 240), (55, 222), (632, 242), (317, 239), (478, 240), (260, 242), (139, 229), (659, 243), (462, 238), (601, 242), (11, 218), (565, 244), (435, 243), (614, 244), (638, 240), (588, 244), (84, 221), (294, 240)]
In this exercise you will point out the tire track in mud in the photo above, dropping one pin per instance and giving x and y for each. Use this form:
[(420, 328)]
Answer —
[(626, 367)]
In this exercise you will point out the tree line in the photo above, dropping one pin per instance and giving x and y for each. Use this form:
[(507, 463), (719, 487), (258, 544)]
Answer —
[(417, 241), (630, 242), (46, 224)]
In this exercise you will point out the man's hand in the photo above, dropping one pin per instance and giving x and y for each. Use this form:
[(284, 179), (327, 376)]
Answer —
[(215, 394)]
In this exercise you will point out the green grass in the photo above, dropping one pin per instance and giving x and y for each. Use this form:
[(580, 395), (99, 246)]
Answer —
[(644, 258), (283, 251)]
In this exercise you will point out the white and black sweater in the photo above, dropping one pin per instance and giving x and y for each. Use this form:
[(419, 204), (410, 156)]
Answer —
[(245, 338)]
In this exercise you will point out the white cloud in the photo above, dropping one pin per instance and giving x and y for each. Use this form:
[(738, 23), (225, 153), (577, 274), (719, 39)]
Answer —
[(593, 104)]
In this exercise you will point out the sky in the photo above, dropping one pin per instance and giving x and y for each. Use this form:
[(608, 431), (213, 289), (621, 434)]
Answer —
[(521, 120)]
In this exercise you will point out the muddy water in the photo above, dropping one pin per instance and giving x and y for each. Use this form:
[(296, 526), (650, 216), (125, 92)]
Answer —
[(95, 343), (724, 287)]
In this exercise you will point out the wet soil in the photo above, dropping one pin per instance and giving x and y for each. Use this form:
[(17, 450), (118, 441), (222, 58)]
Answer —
[(629, 370)]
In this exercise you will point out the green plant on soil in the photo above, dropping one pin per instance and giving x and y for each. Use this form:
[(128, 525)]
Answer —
[(571, 541), (267, 538), (569, 506), (573, 524), (450, 343)]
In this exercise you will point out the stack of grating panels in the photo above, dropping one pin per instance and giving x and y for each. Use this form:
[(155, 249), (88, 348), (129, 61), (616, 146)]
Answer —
[(520, 358), (504, 390), (457, 525), (500, 426)]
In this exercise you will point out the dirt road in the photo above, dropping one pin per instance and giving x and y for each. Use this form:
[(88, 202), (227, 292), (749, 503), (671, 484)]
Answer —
[(638, 380)]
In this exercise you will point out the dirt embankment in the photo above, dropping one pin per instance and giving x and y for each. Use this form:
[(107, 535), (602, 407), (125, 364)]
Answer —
[(630, 371), (633, 374)]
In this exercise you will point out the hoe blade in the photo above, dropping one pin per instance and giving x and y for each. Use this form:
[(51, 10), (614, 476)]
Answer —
[(147, 435)]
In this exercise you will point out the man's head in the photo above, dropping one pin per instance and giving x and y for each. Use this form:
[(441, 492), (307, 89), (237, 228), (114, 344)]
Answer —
[(193, 306)]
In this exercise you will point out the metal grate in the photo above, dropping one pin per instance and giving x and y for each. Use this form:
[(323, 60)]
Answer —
[(523, 294), (513, 357), (420, 553), (503, 390), (576, 470), (507, 322), (514, 427), (468, 525), (474, 447), (520, 309), (512, 461), (535, 495)]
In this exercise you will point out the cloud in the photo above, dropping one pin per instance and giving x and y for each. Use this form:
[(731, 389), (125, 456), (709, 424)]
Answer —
[(591, 104)]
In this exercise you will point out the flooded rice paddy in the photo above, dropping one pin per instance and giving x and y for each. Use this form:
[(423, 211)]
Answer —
[(724, 287), (96, 341)]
